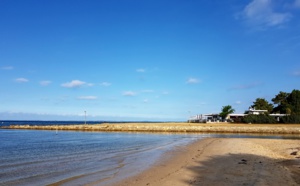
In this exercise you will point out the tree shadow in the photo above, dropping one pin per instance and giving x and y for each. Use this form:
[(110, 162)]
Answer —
[(245, 169)]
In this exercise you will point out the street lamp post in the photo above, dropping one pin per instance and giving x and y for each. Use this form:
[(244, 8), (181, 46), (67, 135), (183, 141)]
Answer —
[(85, 117)]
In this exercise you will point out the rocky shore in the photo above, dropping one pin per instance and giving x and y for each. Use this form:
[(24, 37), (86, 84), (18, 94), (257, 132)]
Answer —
[(172, 127)]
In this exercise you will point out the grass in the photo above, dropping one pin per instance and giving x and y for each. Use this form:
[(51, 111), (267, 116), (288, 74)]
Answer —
[(175, 127)]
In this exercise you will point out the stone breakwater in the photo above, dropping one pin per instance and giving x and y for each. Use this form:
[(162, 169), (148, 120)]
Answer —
[(172, 127)]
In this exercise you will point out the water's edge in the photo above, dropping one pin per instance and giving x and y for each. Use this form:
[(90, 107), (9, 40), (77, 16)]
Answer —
[(74, 157)]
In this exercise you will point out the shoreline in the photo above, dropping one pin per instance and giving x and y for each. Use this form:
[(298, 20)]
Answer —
[(221, 161), (171, 127), (217, 161)]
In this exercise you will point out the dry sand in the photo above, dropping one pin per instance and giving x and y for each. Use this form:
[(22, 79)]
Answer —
[(219, 161)]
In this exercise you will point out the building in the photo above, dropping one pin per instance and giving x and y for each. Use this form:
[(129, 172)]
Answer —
[(207, 118), (256, 112)]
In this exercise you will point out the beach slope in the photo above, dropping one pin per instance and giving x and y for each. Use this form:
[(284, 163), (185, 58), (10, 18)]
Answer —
[(218, 161)]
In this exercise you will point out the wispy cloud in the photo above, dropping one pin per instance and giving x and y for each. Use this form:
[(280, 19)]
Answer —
[(87, 97), (192, 81), (141, 70), (63, 99), (262, 14), (75, 84), (38, 115), (165, 93), (129, 93), (297, 4), (7, 68), (105, 84), (245, 86), (45, 83), (296, 73), (21, 80), (145, 100), (238, 102)]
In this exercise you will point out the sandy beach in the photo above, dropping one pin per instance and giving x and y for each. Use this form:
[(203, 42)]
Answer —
[(213, 161), (220, 161)]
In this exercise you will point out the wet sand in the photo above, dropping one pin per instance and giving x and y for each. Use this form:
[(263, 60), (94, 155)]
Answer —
[(219, 161)]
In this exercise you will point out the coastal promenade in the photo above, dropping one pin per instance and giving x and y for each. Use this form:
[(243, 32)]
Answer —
[(172, 127)]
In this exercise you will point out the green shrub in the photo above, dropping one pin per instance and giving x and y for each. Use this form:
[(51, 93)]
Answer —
[(293, 119), (262, 118), (237, 120)]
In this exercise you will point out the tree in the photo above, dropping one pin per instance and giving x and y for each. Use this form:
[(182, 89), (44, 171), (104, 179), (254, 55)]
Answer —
[(287, 103), (281, 101), (288, 111), (280, 98), (293, 101), (226, 110), (262, 104)]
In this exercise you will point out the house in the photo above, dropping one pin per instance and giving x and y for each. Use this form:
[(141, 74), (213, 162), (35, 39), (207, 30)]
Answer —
[(256, 112), (204, 118)]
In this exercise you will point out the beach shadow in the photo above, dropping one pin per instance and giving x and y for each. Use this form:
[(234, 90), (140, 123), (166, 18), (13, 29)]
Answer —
[(245, 169)]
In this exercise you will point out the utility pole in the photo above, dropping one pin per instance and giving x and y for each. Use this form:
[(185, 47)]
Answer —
[(85, 117)]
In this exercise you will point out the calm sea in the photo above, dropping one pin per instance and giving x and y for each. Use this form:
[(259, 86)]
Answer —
[(37, 122), (33, 157)]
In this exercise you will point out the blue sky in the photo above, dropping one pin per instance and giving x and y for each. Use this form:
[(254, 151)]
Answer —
[(138, 60)]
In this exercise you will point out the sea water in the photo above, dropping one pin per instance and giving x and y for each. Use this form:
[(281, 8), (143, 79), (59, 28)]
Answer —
[(50, 122), (33, 157), (36, 157)]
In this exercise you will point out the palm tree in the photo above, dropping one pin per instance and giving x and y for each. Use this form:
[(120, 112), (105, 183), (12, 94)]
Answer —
[(226, 110)]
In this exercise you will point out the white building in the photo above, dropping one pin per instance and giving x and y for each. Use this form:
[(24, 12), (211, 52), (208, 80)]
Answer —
[(203, 118)]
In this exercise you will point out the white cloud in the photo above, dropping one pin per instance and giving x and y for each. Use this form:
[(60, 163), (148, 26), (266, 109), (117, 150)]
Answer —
[(202, 103), (261, 13), (296, 73), (63, 98), (165, 93), (141, 70), (45, 83), (129, 93), (7, 68), (193, 81), (105, 84), (21, 80), (88, 97), (297, 4), (75, 84), (145, 100), (238, 102)]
